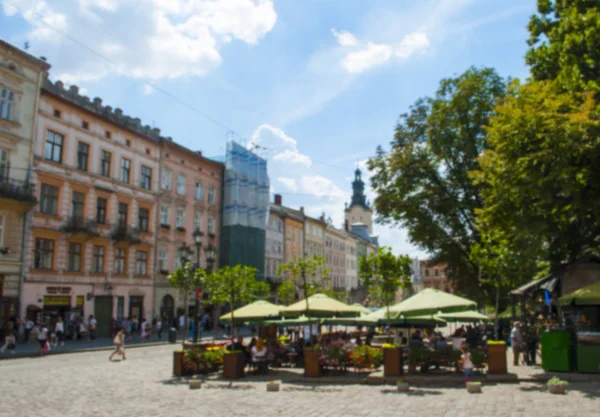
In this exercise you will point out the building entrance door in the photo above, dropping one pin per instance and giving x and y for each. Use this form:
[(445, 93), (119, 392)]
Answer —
[(103, 307)]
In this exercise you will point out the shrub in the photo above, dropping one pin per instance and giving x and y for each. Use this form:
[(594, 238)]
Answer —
[(557, 381)]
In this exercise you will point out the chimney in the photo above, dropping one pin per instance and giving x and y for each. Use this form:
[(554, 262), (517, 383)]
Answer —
[(302, 210), (278, 199)]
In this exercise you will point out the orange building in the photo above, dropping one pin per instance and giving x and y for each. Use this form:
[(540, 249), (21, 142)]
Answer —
[(91, 239), (433, 275)]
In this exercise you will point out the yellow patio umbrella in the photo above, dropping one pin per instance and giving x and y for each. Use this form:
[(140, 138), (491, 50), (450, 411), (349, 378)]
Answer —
[(319, 305), (360, 308), (258, 310), (431, 301)]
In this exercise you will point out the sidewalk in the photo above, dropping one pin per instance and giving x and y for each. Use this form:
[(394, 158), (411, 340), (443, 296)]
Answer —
[(103, 343)]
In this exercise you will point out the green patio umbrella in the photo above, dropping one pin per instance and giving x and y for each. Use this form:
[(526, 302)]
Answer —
[(431, 301), (361, 308), (256, 311), (464, 316), (351, 321), (319, 305), (298, 321), (586, 296)]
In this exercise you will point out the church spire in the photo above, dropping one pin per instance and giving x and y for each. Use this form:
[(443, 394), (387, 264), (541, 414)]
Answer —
[(358, 191)]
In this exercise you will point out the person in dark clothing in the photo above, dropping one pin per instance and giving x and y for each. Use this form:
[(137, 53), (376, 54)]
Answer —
[(471, 337)]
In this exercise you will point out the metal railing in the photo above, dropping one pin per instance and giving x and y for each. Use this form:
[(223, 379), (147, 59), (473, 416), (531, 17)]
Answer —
[(75, 224), (17, 189)]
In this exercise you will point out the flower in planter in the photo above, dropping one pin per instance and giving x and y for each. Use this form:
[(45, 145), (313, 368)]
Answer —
[(390, 346), (557, 381), (401, 380), (271, 381)]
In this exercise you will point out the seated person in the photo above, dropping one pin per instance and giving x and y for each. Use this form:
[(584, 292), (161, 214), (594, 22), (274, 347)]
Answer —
[(259, 351), (442, 343)]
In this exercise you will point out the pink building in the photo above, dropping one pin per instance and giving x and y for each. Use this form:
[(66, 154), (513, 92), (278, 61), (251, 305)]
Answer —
[(190, 200), (91, 239)]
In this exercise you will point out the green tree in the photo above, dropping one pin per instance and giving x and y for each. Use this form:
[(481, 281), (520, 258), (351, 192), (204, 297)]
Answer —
[(565, 43), (286, 292), (261, 290), (423, 183), (234, 285), (186, 279), (382, 273), (307, 275), (539, 180)]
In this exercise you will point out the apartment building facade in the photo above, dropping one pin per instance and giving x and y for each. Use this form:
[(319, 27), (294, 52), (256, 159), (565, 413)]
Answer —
[(275, 243), (314, 236), (189, 201), (335, 256), (90, 249), (21, 77), (433, 275)]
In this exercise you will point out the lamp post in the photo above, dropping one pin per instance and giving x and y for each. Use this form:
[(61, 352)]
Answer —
[(198, 242)]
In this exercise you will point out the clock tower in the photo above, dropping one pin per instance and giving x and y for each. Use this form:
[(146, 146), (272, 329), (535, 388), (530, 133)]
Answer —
[(359, 210)]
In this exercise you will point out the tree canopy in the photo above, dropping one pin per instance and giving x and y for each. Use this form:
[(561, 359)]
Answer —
[(423, 183), (382, 273), (565, 43)]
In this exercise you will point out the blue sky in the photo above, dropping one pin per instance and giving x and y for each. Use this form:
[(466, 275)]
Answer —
[(317, 84)]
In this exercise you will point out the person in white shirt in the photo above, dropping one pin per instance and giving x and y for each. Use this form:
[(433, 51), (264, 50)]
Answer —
[(92, 327), (516, 339), (59, 330), (28, 328), (42, 337), (182, 324), (467, 364)]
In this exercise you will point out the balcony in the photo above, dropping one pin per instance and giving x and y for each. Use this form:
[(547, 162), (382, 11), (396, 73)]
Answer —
[(16, 195), (124, 234), (79, 226)]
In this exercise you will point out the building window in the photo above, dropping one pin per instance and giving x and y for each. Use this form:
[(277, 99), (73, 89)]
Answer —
[(85, 125), (179, 222), (197, 221), (199, 191), (162, 260), (165, 181), (83, 151), (141, 263), (125, 170), (210, 227), (105, 163), (436, 273), (48, 199), (74, 257), (211, 194), (101, 210), (180, 184), (164, 214), (54, 146), (7, 104), (77, 204), (57, 113), (120, 261), (107, 134), (3, 164), (143, 217), (98, 260), (427, 273), (146, 182), (44, 251), (122, 219)]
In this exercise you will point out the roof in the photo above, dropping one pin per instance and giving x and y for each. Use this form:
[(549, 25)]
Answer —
[(36, 61), (548, 282)]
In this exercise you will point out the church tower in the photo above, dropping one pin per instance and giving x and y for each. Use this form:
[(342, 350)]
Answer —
[(359, 211)]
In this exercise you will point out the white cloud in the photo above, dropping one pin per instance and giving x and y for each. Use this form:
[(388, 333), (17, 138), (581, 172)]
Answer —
[(373, 55), (279, 145), (292, 157), (320, 186), (413, 43), (290, 183), (148, 90), (151, 39), (344, 37)]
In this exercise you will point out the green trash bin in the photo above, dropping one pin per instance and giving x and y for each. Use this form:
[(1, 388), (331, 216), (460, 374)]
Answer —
[(556, 351), (588, 352)]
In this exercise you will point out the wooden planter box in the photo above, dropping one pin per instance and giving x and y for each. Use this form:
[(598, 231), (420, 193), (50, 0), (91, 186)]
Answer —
[(272, 386), (392, 362), (178, 363), (557, 389), (402, 387), (312, 367), (233, 365), (473, 387), (195, 384), (497, 359)]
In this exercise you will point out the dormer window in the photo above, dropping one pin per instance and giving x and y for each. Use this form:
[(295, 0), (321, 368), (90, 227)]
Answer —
[(85, 125), (7, 104)]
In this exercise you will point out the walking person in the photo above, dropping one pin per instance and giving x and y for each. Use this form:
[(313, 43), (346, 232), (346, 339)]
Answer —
[(10, 341), (59, 330), (92, 327), (27, 330), (516, 340), (159, 327), (467, 364), (119, 342), (144, 329), (42, 338)]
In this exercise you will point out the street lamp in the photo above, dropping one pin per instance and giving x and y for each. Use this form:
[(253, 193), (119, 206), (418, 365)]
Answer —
[(211, 256), (197, 235)]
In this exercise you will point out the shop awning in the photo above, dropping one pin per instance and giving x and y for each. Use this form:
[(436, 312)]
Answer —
[(549, 283), (585, 296)]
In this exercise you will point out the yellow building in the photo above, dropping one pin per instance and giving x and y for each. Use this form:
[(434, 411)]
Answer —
[(21, 76), (314, 236)]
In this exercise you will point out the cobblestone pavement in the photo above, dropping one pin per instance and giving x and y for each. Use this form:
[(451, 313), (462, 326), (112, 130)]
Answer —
[(87, 384)]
